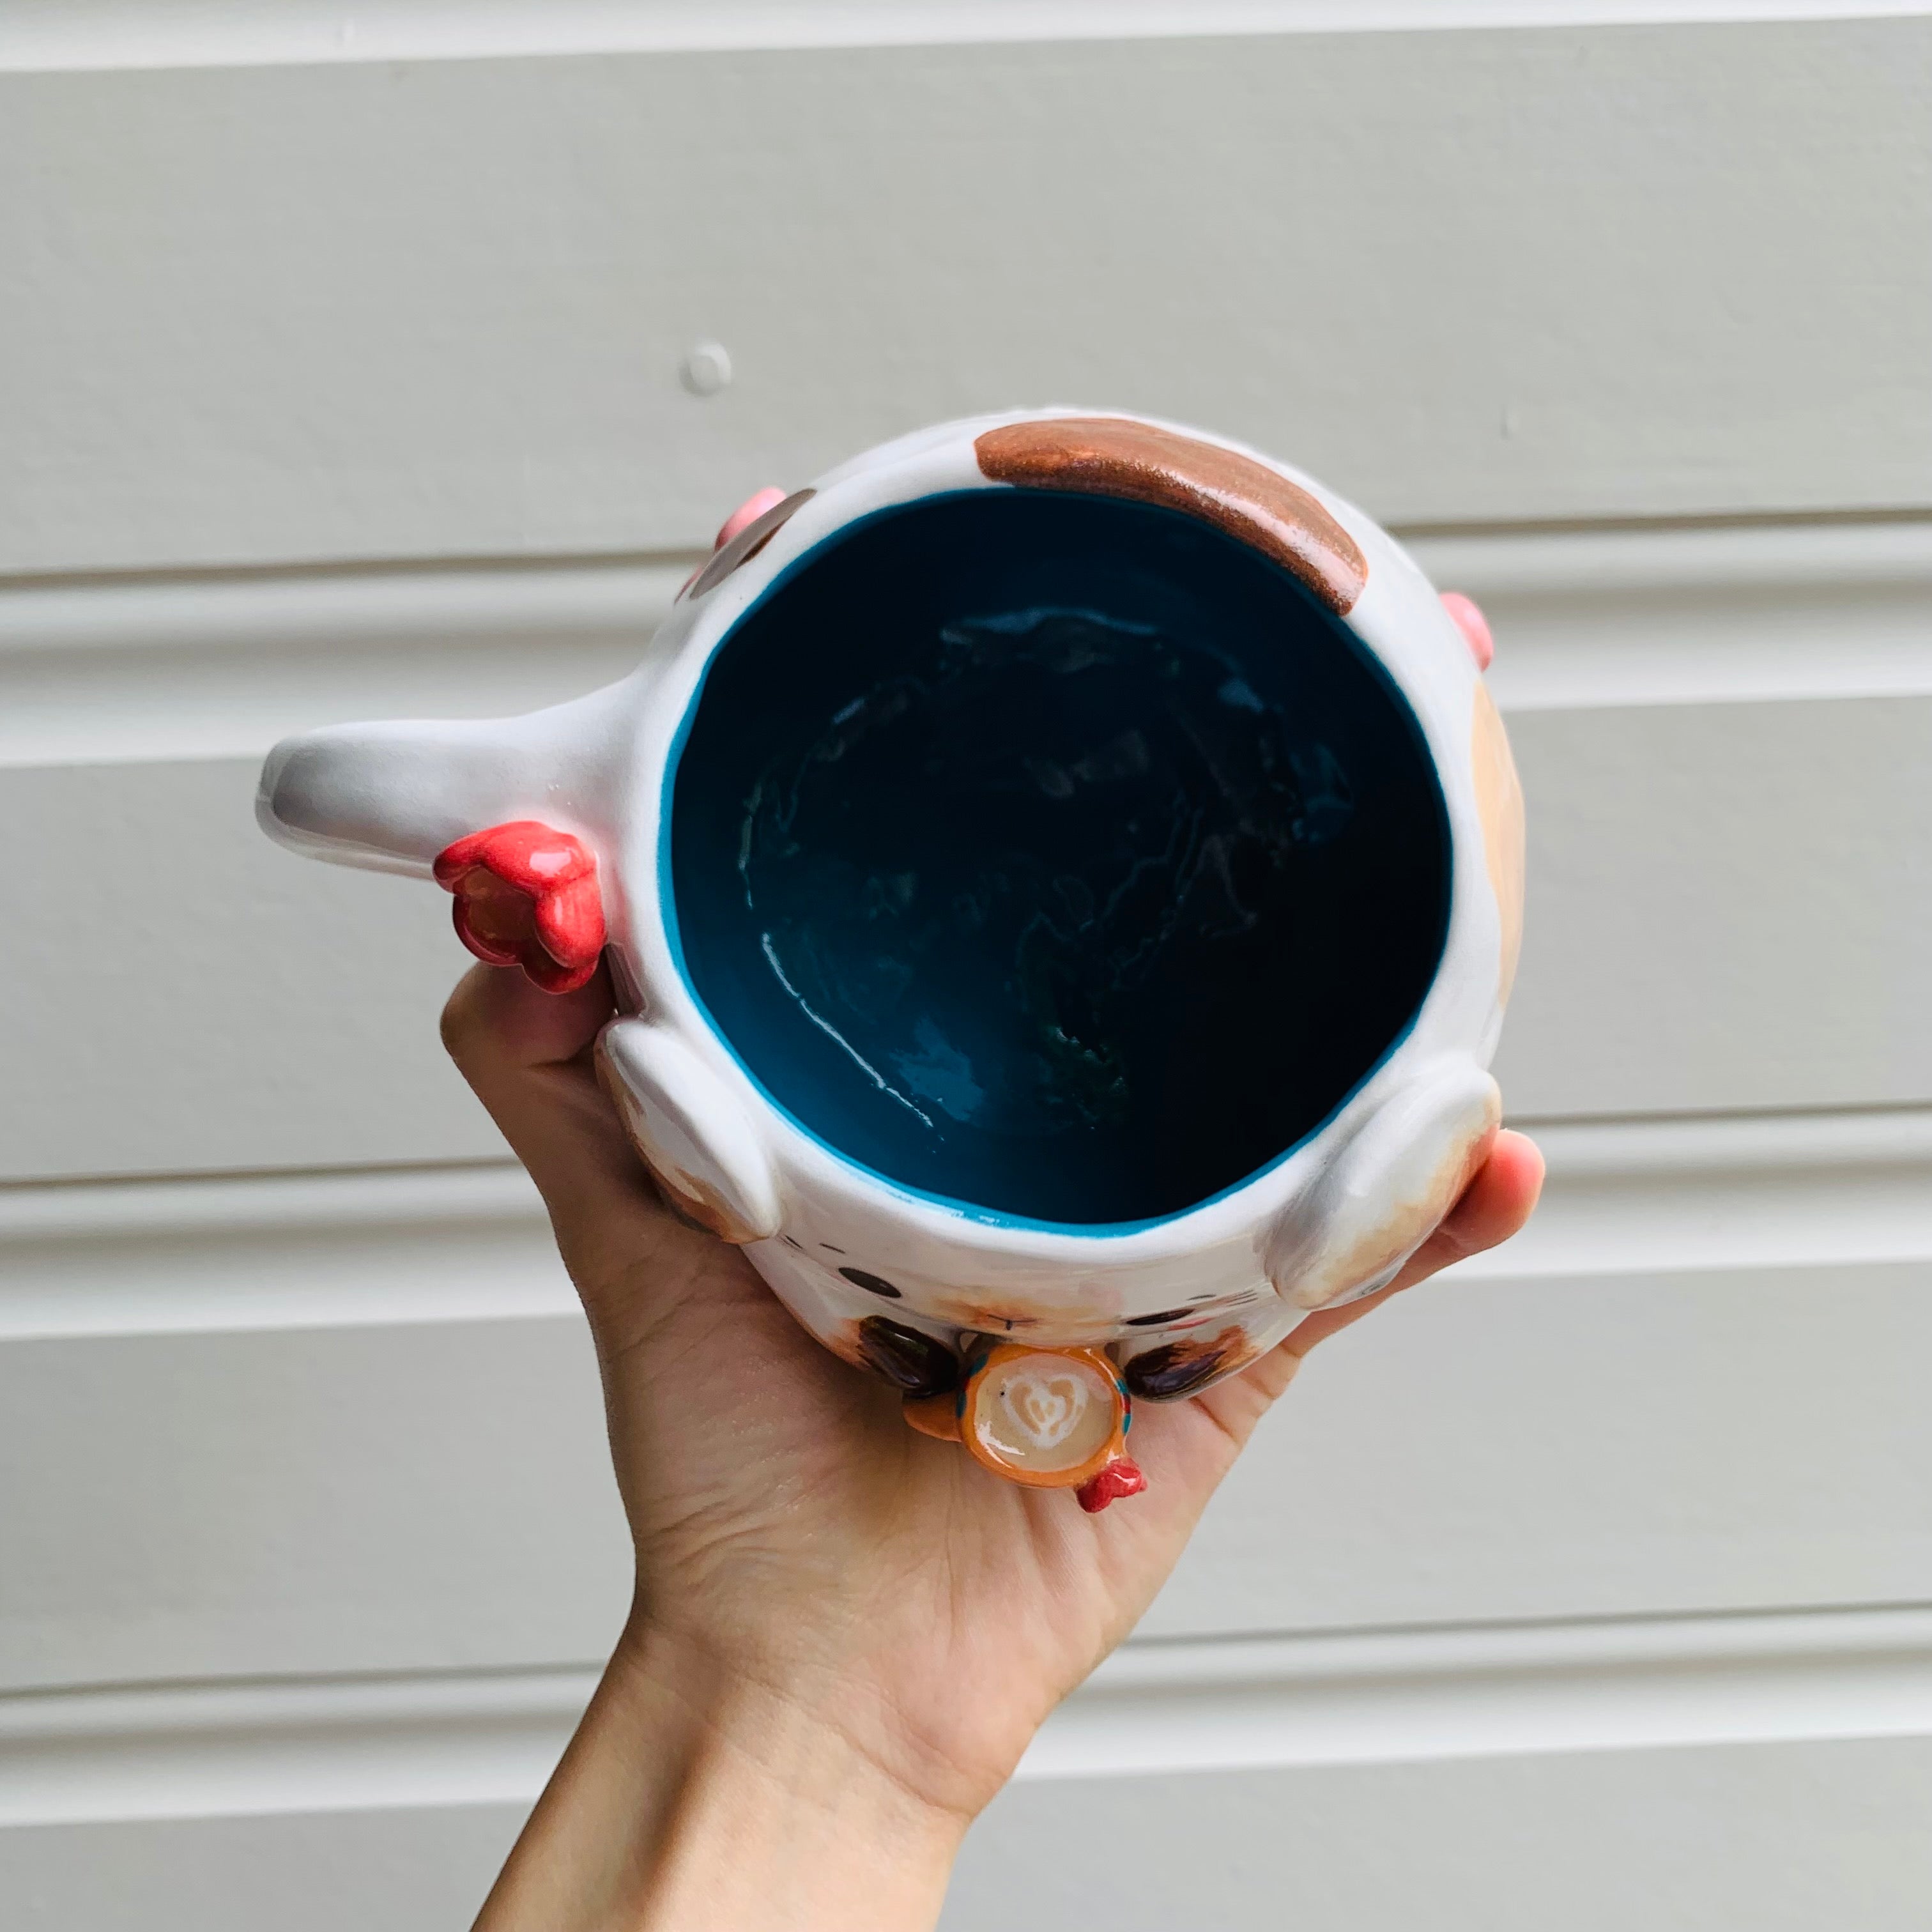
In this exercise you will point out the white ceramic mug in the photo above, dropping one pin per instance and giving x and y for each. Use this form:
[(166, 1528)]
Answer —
[(1061, 876)]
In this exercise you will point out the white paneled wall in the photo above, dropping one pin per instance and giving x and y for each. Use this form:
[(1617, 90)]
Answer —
[(437, 309), (339, 376)]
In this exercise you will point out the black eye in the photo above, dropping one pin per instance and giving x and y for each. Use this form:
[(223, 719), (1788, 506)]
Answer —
[(871, 1283)]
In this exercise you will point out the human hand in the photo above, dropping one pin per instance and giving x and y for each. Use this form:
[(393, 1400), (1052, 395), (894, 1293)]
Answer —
[(843, 1633)]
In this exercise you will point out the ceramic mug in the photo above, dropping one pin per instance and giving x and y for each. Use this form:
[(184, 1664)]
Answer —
[(1061, 877)]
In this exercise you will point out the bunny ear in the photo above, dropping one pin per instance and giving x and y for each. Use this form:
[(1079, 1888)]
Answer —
[(392, 796)]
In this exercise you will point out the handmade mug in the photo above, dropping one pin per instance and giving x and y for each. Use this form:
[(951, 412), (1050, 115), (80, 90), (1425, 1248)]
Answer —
[(1061, 877)]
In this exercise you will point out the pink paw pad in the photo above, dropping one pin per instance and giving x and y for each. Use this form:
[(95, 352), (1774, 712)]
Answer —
[(526, 895), (747, 513), (1466, 614)]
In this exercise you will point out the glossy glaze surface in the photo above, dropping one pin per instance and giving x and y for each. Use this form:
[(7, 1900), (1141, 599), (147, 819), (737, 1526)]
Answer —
[(1036, 913)]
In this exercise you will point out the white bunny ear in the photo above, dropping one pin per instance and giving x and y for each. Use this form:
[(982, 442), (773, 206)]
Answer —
[(392, 796)]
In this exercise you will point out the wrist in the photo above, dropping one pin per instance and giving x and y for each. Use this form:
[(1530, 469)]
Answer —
[(787, 1807), (697, 1794)]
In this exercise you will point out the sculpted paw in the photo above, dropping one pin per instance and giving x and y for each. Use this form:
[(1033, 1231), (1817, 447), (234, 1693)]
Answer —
[(527, 895), (689, 1131), (1387, 1191)]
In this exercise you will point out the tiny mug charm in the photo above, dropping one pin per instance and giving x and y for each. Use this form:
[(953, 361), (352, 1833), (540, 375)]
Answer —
[(1061, 877)]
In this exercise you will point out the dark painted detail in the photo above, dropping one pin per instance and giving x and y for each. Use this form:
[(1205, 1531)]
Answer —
[(1056, 854), (1160, 1321), (871, 1283), (912, 1363), (1176, 1369)]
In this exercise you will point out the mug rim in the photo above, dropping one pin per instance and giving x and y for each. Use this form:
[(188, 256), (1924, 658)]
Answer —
[(786, 562)]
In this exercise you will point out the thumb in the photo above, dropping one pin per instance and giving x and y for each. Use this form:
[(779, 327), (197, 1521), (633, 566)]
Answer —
[(527, 1056)]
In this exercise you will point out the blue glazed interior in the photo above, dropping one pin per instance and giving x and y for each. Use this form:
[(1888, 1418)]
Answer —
[(1054, 855)]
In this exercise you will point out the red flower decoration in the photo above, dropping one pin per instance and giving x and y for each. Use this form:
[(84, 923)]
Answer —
[(1121, 1478), (526, 895)]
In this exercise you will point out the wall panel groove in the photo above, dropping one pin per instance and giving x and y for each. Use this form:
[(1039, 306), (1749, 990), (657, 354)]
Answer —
[(468, 1243), (221, 666), (240, 1749)]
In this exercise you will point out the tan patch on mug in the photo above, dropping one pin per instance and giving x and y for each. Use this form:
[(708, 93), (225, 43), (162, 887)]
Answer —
[(1499, 804), (983, 1318), (1114, 456), (701, 1204)]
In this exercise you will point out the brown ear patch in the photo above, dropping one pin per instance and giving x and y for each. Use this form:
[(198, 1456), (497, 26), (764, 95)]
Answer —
[(1499, 805), (1114, 456), (694, 1202)]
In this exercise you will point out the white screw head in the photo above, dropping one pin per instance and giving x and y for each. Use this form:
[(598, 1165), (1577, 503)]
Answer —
[(706, 368)]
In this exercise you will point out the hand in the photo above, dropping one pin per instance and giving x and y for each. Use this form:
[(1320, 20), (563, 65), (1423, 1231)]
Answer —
[(843, 1633)]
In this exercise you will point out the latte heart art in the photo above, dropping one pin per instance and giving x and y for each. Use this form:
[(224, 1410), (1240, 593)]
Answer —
[(1058, 877), (1052, 1419), (1046, 1408)]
